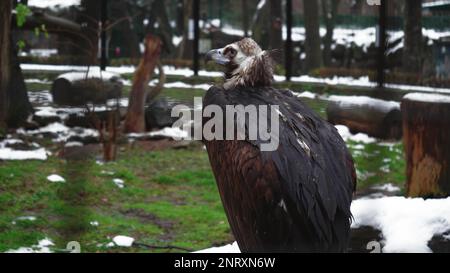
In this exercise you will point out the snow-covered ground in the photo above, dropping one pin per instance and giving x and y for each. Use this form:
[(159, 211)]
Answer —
[(7, 153), (406, 224), (344, 131), (43, 246), (186, 72), (53, 3)]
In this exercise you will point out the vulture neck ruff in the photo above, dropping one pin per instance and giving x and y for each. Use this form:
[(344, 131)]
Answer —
[(253, 71)]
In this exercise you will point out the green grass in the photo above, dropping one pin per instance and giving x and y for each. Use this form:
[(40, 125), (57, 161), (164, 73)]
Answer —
[(170, 197), (379, 164)]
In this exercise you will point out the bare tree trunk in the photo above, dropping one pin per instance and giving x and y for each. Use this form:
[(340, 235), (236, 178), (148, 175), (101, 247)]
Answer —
[(186, 45), (159, 11), (245, 17), (260, 29), (90, 17), (180, 17), (356, 7), (19, 106), (329, 10), (5, 25), (14, 104), (412, 51), (135, 119), (276, 25), (267, 24), (123, 33), (312, 39)]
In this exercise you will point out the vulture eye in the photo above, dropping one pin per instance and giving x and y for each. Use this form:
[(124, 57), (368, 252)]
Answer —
[(231, 52)]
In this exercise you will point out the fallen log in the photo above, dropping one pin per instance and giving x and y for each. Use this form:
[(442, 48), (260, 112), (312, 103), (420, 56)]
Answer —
[(79, 88), (375, 117), (426, 138)]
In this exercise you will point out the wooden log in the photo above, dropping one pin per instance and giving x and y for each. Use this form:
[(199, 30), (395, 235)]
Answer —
[(135, 119), (426, 138), (375, 117), (80, 88)]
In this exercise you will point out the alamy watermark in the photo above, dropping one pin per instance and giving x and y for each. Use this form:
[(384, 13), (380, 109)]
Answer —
[(233, 122)]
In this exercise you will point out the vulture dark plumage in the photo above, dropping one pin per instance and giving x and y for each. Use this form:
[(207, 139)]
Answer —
[(296, 198)]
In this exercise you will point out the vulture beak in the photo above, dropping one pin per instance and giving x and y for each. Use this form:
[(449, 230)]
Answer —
[(217, 56)]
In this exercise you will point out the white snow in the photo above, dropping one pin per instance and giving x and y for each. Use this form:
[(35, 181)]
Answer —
[(43, 52), (306, 94), (42, 247), (93, 73), (56, 178), (407, 224), (359, 137), (37, 81), (53, 3), (73, 144), (24, 218), (389, 187), (63, 132), (427, 97), (11, 154), (119, 182), (184, 85), (186, 72), (170, 132), (168, 70), (231, 248), (363, 100), (123, 241), (55, 127)]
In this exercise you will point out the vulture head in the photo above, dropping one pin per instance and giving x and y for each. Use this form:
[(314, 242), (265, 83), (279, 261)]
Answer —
[(245, 63)]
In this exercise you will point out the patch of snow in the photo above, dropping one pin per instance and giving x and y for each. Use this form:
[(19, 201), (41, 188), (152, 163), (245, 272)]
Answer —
[(170, 132), (55, 127), (359, 137), (56, 178), (184, 85), (363, 100), (42, 247), (24, 218), (37, 81), (231, 248), (93, 73), (176, 40), (53, 3), (43, 52), (407, 224), (306, 94), (73, 144), (123, 241), (186, 72), (10, 154), (119, 182), (63, 132), (427, 97), (389, 187)]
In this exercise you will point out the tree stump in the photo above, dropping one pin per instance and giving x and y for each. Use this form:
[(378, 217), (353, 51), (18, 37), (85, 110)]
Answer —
[(426, 138), (375, 117)]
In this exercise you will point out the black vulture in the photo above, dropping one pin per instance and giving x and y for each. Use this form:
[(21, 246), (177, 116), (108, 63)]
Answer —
[(295, 198)]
